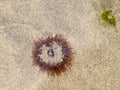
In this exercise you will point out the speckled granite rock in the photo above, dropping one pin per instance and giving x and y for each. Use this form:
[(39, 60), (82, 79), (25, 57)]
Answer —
[(96, 64)]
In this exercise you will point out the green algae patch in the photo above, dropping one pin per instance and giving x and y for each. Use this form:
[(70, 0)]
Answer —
[(108, 17)]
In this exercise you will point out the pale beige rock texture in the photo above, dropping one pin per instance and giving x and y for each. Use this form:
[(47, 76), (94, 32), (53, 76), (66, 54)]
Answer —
[(96, 64)]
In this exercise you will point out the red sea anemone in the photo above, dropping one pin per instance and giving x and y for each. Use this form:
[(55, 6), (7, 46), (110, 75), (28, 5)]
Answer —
[(52, 54)]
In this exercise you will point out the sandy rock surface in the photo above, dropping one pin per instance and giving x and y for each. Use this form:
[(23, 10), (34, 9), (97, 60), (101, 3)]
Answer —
[(96, 64)]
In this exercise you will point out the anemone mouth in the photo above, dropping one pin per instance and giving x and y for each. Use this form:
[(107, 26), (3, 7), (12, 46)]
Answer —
[(52, 54)]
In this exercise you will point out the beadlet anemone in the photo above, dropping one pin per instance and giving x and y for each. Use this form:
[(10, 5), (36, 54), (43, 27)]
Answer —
[(52, 54)]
